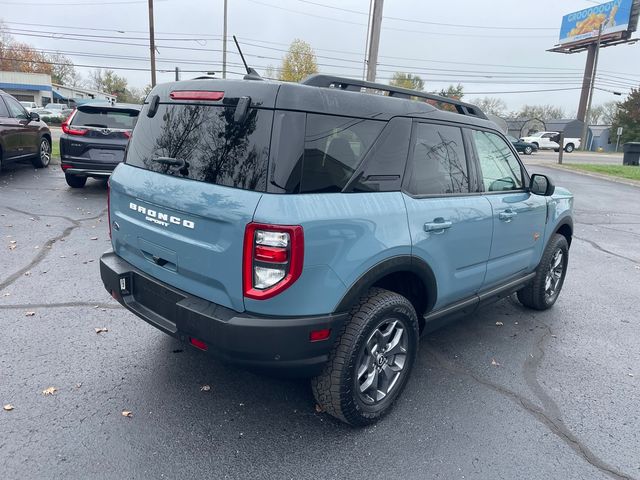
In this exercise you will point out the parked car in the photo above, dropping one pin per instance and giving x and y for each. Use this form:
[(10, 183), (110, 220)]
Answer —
[(317, 230), (94, 139), (61, 109), (28, 106), (22, 135), (55, 114), (523, 147), (549, 140)]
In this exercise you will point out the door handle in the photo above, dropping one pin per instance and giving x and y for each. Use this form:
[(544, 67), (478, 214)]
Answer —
[(507, 215), (439, 225)]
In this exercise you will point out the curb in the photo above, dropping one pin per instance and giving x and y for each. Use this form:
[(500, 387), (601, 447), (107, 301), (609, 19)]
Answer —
[(623, 181)]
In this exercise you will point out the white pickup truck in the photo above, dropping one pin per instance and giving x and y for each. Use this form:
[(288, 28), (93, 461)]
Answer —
[(544, 140)]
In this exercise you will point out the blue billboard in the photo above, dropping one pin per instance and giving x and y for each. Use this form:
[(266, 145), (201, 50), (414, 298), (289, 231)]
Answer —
[(613, 16)]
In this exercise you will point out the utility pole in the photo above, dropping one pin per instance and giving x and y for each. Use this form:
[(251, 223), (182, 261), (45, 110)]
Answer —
[(374, 42), (366, 42), (224, 43), (152, 45), (585, 129)]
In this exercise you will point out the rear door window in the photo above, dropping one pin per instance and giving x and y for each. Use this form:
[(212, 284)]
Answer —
[(437, 162), (204, 143), (333, 149), (3, 109), (105, 118)]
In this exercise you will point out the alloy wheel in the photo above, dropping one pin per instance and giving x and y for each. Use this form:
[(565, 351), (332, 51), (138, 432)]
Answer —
[(381, 362), (45, 153), (554, 275)]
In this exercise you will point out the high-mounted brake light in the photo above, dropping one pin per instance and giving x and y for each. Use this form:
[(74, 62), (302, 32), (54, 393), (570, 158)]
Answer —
[(273, 259), (196, 95), (69, 130)]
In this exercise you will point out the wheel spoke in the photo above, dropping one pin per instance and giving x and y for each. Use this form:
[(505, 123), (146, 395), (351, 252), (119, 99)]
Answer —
[(394, 346), (371, 383)]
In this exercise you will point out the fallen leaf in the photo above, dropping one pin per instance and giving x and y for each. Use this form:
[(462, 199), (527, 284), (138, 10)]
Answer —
[(7, 294), (499, 324), (630, 374), (102, 330), (8, 407), (319, 409), (127, 413), (26, 274), (13, 242), (78, 385), (12, 247), (29, 314), (205, 388), (93, 238), (494, 363), (49, 391)]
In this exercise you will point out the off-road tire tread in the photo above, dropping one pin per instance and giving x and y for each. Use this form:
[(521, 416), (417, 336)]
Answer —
[(532, 296), (330, 389)]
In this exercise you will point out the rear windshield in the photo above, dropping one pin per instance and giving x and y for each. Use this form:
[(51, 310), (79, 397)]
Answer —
[(105, 118), (204, 143)]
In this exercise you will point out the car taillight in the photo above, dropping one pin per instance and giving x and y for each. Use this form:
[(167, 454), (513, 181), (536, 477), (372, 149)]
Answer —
[(109, 205), (127, 133), (69, 130), (273, 259)]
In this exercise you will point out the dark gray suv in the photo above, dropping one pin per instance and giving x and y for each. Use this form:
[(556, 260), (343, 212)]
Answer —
[(23, 136)]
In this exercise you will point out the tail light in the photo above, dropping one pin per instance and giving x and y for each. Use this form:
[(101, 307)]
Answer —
[(109, 205), (69, 130), (127, 133), (273, 258)]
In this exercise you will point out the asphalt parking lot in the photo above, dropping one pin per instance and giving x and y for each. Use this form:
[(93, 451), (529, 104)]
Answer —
[(508, 393)]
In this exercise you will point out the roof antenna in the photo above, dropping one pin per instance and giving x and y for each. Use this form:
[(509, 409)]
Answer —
[(251, 73)]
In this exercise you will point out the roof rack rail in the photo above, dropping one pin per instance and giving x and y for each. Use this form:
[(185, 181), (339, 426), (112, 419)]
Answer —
[(342, 83)]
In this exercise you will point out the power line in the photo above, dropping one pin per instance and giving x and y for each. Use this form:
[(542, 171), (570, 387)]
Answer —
[(48, 4), (424, 22), (258, 2)]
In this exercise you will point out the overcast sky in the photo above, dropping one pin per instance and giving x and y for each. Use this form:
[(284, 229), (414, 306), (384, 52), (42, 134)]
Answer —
[(337, 31)]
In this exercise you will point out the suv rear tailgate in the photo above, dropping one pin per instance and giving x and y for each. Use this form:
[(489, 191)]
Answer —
[(185, 233)]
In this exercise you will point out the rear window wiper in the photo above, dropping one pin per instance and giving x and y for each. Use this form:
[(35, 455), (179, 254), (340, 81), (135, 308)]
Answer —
[(97, 125), (174, 162)]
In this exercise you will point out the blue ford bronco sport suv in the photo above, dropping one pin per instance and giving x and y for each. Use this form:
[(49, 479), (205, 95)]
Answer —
[(319, 228)]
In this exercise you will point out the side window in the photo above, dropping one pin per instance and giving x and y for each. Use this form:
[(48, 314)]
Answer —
[(3, 109), (15, 109), (333, 149), (547, 135), (437, 162), (500, 168)]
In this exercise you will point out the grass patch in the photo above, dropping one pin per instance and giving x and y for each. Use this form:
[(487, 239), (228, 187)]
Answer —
[(55, 149), (629, 172)]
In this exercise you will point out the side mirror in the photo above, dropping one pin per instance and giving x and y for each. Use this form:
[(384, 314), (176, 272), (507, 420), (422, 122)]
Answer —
[(34, 116), (541, 185)]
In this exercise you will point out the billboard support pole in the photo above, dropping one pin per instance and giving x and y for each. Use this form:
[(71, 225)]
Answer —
[(585, 128), (586, 83)]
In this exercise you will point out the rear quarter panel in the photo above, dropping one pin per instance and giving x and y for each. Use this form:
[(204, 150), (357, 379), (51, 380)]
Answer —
[(345, 235)]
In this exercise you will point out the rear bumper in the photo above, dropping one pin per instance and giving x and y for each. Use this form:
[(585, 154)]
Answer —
[(83, 167), (273, 343)]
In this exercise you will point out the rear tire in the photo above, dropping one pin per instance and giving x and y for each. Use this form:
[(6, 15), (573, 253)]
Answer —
[(543, 291), (528, 150), (569, 148), (44, 154), (75, 181), (371, 360)]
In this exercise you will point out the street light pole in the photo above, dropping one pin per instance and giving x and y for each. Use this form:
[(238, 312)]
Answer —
[(152, 45), (224, 43), (585, 128)]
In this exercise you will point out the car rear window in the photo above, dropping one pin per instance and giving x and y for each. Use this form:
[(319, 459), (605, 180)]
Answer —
[(204, 143), (105, 118)]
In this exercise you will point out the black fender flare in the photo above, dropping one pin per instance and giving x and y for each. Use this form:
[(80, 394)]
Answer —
[(564, 221), (399, 263)]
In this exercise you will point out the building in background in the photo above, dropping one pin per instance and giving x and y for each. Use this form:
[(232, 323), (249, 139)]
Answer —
[(37, 87)]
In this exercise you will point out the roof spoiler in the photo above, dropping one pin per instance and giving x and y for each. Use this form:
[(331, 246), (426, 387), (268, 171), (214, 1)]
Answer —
[(329, 81)]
